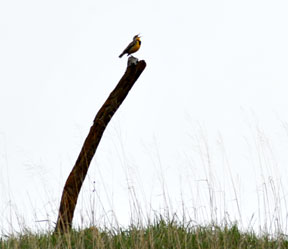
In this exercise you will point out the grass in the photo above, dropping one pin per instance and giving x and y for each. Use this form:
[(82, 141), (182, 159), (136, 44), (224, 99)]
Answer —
[(160, 234), (204, 201)]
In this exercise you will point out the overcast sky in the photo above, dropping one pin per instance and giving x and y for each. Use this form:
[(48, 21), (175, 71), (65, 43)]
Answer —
[(203, 131)]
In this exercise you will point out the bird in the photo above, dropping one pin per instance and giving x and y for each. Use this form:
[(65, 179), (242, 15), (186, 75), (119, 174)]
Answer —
[(132, 47)]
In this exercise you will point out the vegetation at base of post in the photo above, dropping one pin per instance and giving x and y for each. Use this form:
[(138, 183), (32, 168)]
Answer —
[(161, 233)]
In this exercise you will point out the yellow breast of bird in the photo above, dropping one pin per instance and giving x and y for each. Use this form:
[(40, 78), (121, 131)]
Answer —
[(135, 47)]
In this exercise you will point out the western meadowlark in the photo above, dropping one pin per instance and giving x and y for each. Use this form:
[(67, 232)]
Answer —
[(132, 47)]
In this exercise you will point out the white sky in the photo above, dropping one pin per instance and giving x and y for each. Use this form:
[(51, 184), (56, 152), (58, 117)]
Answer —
[(208, 112)]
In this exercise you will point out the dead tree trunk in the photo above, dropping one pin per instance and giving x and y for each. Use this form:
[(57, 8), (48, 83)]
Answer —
[(74, 182)]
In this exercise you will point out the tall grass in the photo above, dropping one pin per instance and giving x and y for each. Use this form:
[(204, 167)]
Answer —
[(197, 209), (161, 233)]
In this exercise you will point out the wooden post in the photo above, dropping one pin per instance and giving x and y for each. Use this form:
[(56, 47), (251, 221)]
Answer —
[(77, 176)]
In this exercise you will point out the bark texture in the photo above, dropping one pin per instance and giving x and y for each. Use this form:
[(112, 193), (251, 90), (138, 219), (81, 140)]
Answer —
[(77, 176)]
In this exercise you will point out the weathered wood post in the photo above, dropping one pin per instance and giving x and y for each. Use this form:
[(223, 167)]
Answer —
[(77, 176)]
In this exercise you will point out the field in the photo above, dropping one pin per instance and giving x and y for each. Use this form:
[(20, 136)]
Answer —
[(203, 210), (161, 233)]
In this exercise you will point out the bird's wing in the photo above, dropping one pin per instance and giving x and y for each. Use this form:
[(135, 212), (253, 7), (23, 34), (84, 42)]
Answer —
[(126, 50)]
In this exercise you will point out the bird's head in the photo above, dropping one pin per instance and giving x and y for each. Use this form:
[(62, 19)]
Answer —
[(136, 37)]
